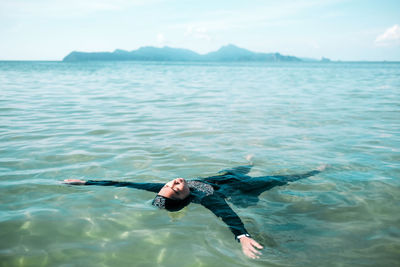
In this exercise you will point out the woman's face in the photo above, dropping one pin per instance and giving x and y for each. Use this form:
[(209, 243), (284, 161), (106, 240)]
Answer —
[(176, 189)]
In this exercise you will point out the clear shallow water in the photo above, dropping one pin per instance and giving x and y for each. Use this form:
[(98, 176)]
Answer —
[(156, 121)]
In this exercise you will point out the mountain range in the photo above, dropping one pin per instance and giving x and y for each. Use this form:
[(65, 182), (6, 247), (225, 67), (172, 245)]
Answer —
[(228, 53)]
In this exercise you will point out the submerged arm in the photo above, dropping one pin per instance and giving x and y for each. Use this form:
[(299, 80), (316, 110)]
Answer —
[(295, 177), (226, 176), (217, 205)]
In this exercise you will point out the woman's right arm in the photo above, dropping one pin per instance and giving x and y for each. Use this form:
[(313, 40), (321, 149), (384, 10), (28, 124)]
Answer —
[(74, 182), (152, 187)]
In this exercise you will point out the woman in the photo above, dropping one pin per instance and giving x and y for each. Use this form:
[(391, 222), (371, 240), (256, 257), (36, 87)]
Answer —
[(212, 192)]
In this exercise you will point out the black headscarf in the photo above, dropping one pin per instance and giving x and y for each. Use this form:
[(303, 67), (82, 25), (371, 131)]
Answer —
[(170, 204)]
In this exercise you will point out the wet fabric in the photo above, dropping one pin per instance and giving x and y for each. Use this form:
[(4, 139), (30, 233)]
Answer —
[(212, 192)]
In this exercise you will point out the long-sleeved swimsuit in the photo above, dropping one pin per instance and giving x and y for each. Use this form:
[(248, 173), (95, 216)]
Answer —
[(212, 192)]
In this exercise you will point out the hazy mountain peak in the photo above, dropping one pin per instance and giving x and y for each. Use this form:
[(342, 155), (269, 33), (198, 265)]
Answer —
[(232, 49)]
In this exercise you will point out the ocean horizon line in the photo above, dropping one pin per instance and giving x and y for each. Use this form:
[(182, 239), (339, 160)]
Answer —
[(215, 62)]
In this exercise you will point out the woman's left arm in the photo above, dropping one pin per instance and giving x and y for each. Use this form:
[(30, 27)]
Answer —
[(217, 205), (250, 246)]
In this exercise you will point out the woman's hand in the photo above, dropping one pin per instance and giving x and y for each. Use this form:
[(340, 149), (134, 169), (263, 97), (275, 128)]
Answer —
[(249, 246), (74, 182)]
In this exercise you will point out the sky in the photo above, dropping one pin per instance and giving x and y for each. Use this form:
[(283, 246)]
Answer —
[(350, 30)]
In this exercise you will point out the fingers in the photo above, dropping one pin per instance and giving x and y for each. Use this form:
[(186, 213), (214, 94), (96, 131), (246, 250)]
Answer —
[(250, 247), (256, 244), (254, 250), (249, 253), (252, 253)]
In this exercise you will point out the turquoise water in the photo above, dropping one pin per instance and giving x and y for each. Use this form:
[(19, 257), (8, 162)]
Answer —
[(153, 122)]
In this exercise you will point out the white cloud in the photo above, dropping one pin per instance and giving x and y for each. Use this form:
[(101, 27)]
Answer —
[(197, 32), (390, 37), (314, 44), (161, 39)]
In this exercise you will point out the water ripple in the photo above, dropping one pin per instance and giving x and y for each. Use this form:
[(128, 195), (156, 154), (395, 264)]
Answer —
[(146, 121)]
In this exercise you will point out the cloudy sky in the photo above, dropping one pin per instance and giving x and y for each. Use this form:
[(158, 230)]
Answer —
[(337, 29)]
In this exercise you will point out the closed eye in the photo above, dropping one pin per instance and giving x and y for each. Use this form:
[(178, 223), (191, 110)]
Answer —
[(176, 192)]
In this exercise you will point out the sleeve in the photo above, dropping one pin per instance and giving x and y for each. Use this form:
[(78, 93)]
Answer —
[(152, 187), (217, 205), (239, 170), (295, 177), (230, 175)]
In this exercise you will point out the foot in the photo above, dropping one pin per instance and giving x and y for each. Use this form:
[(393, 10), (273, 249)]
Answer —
[(249, 158), (322, 167)]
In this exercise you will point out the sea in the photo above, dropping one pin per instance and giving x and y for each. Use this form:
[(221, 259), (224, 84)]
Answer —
[(156, 121)]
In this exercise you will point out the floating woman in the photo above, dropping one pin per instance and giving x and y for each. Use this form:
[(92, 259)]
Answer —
[(211, 192)]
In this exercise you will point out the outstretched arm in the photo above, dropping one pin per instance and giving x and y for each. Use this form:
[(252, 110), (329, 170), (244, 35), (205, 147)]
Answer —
[(238, 173), (217, 205), (295, 177), (152, 187), (239, 170)]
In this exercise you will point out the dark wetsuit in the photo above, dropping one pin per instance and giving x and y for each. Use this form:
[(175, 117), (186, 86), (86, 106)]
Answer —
[(212, 192)]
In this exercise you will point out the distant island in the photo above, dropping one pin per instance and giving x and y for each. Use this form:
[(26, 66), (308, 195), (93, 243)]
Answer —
[(228, 53)]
